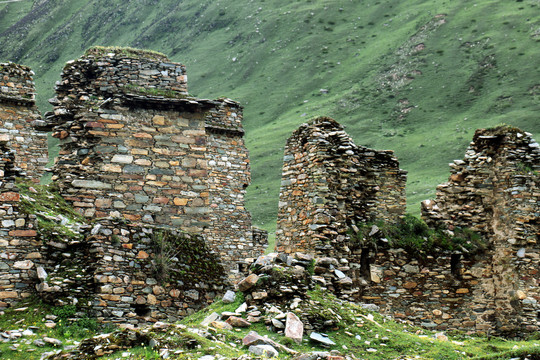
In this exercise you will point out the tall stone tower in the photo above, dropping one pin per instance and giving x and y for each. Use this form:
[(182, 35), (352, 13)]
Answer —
[(135, 145)]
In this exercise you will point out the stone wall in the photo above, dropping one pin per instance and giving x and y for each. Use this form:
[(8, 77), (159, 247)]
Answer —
[(18, 244), (20, 119), (329, 184), (134, 146), (130, 274), (446, 292), (494, 190)]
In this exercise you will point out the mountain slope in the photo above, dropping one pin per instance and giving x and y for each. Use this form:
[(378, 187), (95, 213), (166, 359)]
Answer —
[(417, 77)]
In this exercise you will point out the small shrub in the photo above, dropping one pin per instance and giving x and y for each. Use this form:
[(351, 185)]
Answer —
[(413, 235)]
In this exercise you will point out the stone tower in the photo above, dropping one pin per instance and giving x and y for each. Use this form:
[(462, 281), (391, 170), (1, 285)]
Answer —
[(330, 184), (135, 145)]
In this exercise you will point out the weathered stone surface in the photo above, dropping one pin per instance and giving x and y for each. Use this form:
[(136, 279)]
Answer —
[(329, 182), (248, 282), (210, 318), (322, 339), (264, 350), (236, 321), (229, 297), (294, 328)]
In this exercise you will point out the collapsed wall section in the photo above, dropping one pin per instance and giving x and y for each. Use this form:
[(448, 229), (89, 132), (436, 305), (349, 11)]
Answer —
[(20, 120), (329, 184), (495, 191), (134, 274)]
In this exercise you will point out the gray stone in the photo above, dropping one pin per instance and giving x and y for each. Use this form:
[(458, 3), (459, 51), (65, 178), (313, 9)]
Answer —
[(370, 307), (229, 297), (411, 269), (278, 324), (210, 318), (263, 350), (241, 309), (122, 159), (41, 273), (315, 355), (320, 338), (91, 184), (52, 341)]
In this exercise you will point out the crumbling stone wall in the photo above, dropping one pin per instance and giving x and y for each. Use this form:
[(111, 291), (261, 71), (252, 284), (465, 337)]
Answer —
[(494, 190), (125, 273), (20, 120), (329, 184), (134, 146), (18, 244), (445, 292)]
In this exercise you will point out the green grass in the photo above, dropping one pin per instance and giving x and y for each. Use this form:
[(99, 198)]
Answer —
[(477, 70), (355, 330), (31, 313), (55, 216)]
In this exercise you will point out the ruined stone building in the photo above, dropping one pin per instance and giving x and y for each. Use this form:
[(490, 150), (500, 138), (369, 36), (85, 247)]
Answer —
[(23, 152), (162, 176), (18, 118), (330, 184), (495, 191), (134, 145)]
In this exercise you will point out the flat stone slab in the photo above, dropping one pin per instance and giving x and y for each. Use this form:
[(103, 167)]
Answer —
[(320, 338)]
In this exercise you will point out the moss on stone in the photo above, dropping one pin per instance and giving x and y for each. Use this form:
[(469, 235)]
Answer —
[(414, 236), (100, 51), (54, 215)]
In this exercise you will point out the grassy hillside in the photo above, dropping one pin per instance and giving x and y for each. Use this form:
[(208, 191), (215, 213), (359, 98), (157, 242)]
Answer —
[(417, 76)]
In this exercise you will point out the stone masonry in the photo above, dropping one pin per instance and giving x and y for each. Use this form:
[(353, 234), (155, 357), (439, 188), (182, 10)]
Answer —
[(18, 244), (20, 120), (329, 184), (495, 191), (23, 151), (135, 146), (131, 274)]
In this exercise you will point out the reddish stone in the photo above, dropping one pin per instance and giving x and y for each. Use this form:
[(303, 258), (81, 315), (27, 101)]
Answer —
[(132, 217), (248, 282), (161, 200), (23, 233), (236, 321), (10, 196), (142, 255), (410, 285), (294, 328)]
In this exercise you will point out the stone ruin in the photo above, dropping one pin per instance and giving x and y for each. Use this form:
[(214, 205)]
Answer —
[(160, 174), (134, 145), (329, 185), (20, 120), (23, 152), (495, 190)]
